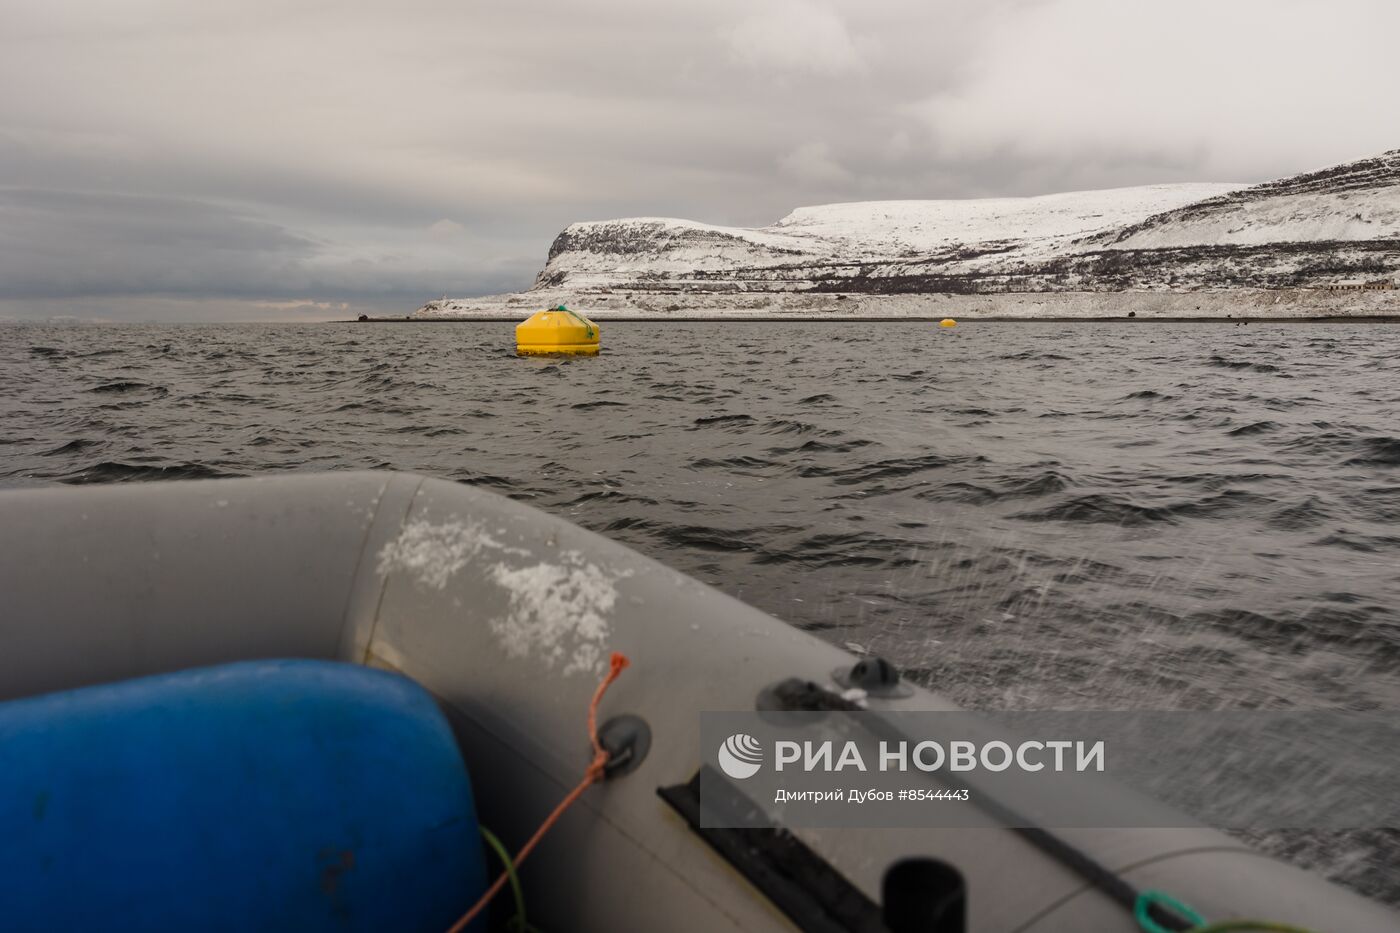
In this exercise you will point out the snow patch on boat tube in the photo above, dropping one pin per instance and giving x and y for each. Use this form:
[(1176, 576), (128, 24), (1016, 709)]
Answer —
[(558, 612), (431, 552)]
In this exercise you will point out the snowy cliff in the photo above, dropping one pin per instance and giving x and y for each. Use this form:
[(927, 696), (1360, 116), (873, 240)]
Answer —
[(836, 242), (1302, 233)]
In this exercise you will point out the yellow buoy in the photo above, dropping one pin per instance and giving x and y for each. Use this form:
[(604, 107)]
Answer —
[(947, 322), (557, 330)]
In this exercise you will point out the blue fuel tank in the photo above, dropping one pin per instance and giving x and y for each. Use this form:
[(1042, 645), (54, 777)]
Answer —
[(269, 795)]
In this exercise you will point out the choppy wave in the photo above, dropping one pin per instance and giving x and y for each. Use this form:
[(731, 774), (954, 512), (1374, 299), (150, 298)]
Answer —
[(112, 471), (1027, 516), (1378, 451)]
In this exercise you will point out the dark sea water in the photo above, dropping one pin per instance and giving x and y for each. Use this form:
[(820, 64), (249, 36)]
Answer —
[(1030, 515)]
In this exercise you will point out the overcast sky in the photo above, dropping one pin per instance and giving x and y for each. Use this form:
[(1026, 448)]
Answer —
[(276, 159)]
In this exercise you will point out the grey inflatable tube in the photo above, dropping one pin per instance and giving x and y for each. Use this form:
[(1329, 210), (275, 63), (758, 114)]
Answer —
[(505, 614)]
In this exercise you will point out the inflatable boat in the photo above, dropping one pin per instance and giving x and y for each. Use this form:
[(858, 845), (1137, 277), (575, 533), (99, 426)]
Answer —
[(506, 616)]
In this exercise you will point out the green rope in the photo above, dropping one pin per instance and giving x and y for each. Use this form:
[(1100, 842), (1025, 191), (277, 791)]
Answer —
[(517, 922), (1146, 900), (1142, 912), (582, 320)]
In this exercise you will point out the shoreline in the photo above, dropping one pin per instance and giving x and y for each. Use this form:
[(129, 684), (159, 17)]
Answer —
[(1223, 305), (889, 319)]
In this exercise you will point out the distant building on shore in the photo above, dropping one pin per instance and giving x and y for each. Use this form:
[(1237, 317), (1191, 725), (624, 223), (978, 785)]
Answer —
[(1354, 285)]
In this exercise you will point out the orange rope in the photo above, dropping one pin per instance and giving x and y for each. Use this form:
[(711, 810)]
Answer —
[(593, 775)]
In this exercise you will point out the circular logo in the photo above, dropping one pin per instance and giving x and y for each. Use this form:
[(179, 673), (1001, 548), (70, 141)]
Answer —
[(740, 756)]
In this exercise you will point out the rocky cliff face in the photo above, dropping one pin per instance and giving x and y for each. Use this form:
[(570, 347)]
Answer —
[(1310, 230)]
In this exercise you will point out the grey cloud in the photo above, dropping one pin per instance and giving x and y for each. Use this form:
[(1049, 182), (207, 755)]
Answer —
[(66, 244), (275, 152), (73, 243)]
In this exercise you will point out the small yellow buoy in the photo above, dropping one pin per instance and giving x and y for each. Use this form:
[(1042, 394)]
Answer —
[(557, 330), (947, 322)]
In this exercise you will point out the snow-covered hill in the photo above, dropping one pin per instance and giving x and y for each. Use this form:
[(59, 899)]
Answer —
[(619, 253), (1339, 224), (903, 226), (1351, 202)]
